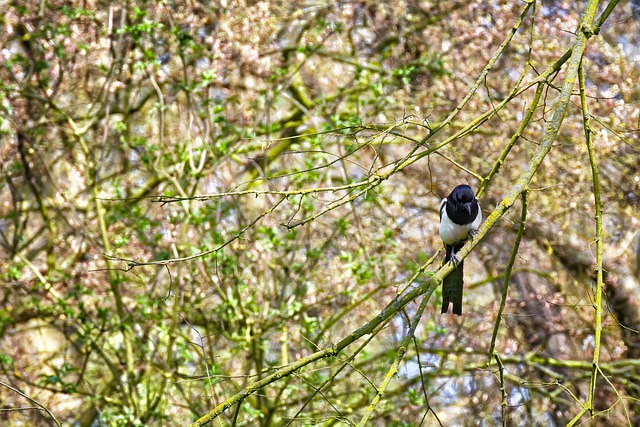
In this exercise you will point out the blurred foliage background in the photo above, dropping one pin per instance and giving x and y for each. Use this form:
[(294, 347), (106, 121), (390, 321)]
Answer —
[(195, 194)]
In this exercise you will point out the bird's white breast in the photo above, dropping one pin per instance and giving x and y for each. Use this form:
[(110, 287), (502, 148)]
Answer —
[(451, 233)]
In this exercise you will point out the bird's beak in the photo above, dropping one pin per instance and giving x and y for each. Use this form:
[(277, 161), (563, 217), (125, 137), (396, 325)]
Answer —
[(467, 206)]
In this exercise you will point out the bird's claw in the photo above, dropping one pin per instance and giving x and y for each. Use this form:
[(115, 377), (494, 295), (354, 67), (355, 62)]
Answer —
[(454, 260), (473, 233)]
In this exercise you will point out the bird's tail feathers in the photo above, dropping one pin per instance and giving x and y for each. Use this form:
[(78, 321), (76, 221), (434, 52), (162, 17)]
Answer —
[(452, 290)]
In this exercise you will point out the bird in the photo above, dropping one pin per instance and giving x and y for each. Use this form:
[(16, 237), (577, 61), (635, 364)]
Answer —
[(460, 218)]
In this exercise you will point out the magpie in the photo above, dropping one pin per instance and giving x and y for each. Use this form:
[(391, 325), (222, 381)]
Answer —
[(460, 216)]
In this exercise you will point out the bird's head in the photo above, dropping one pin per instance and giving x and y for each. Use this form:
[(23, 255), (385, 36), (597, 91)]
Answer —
[(462, 197)]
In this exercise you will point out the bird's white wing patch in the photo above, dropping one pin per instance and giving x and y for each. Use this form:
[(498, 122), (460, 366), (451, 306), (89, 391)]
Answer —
[(443, 204)]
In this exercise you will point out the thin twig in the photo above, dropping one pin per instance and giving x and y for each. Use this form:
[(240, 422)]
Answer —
[(35, 402), (598, 231), (507, 275)]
